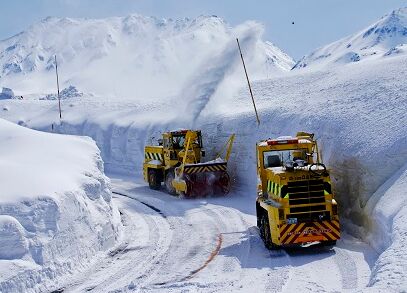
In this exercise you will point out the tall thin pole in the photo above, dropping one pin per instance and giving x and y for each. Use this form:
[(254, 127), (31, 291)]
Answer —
[(248, 82), (59, 98)]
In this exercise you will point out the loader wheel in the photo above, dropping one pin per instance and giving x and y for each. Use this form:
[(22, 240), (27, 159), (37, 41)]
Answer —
[(168, 182), (222, 185), (153, 181), (265, 233)]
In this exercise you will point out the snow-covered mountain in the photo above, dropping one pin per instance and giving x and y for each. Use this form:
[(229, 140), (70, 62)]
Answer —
[(384, 38), (128, 56)]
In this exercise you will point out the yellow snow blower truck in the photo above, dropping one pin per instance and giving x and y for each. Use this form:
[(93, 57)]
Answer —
[(295, 205), (176, 161)]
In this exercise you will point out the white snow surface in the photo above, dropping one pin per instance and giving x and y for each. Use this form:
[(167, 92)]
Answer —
[(56, 211), (382, 39)]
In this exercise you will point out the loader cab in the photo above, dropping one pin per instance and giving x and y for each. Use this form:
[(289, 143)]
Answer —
[(174, 143), (177, 139)]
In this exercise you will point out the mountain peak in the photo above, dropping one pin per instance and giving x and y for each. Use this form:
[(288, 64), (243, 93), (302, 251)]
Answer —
[(383, 38), (390, 25)]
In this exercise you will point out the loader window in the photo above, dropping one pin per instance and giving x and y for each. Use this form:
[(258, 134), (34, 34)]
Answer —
[(178, 141)]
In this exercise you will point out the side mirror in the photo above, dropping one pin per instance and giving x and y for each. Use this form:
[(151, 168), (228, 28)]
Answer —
[(203, 153), (160, 141)]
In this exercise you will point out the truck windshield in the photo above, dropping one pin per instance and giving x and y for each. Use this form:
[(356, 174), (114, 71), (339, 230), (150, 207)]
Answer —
[(278, 158)]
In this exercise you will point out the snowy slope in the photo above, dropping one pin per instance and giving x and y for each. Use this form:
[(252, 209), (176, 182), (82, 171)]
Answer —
[(384, 38), (56, 211), (127, 56)]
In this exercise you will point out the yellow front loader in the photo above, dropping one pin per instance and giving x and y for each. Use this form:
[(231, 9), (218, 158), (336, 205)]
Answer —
[(176, 161)]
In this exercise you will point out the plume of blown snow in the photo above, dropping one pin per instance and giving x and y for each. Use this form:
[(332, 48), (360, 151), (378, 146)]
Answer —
[(218, 75)]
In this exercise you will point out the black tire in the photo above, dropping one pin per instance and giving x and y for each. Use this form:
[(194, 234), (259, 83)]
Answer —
[(222, 184), (168, 182), (265, 233), (329, 244), (258, 214), (153, 179)]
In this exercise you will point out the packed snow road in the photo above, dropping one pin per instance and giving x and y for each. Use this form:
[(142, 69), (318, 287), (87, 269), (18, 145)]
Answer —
[(211, 245)]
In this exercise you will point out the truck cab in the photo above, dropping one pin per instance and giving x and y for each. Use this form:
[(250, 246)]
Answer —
[(295, 205)]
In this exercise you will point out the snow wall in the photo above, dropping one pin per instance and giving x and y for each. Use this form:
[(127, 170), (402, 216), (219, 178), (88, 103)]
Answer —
[(56, 211)]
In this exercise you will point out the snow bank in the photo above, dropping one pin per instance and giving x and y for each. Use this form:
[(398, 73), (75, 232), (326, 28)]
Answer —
[(388, 208), (55, 207)]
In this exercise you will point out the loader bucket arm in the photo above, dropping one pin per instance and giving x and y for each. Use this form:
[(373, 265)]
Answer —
[(228, 147), (185, 156)]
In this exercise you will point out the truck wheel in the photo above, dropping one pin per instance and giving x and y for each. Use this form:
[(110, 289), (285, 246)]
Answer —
[(168, 182), (153, 181), (265, 233), (329, 244)]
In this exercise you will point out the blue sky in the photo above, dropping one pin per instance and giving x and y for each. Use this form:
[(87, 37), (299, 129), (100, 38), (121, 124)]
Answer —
[(316, 22)]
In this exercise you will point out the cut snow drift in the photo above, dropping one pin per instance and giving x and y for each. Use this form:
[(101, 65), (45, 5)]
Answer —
[(55, 207)]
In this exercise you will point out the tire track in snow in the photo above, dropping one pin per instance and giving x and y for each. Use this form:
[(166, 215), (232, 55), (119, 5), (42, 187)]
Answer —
[(214, 253), (115, 270), (142, 202), (180, 231), (347, 268), (150, 269), (251, 254), (191, 268)]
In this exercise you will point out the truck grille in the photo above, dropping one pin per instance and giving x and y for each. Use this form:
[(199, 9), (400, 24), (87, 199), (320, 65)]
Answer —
[(310, 217), (306, 192), (308, 209)]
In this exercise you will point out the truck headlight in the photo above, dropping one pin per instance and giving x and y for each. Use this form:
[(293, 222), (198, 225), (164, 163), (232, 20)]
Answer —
[(334, 207)]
